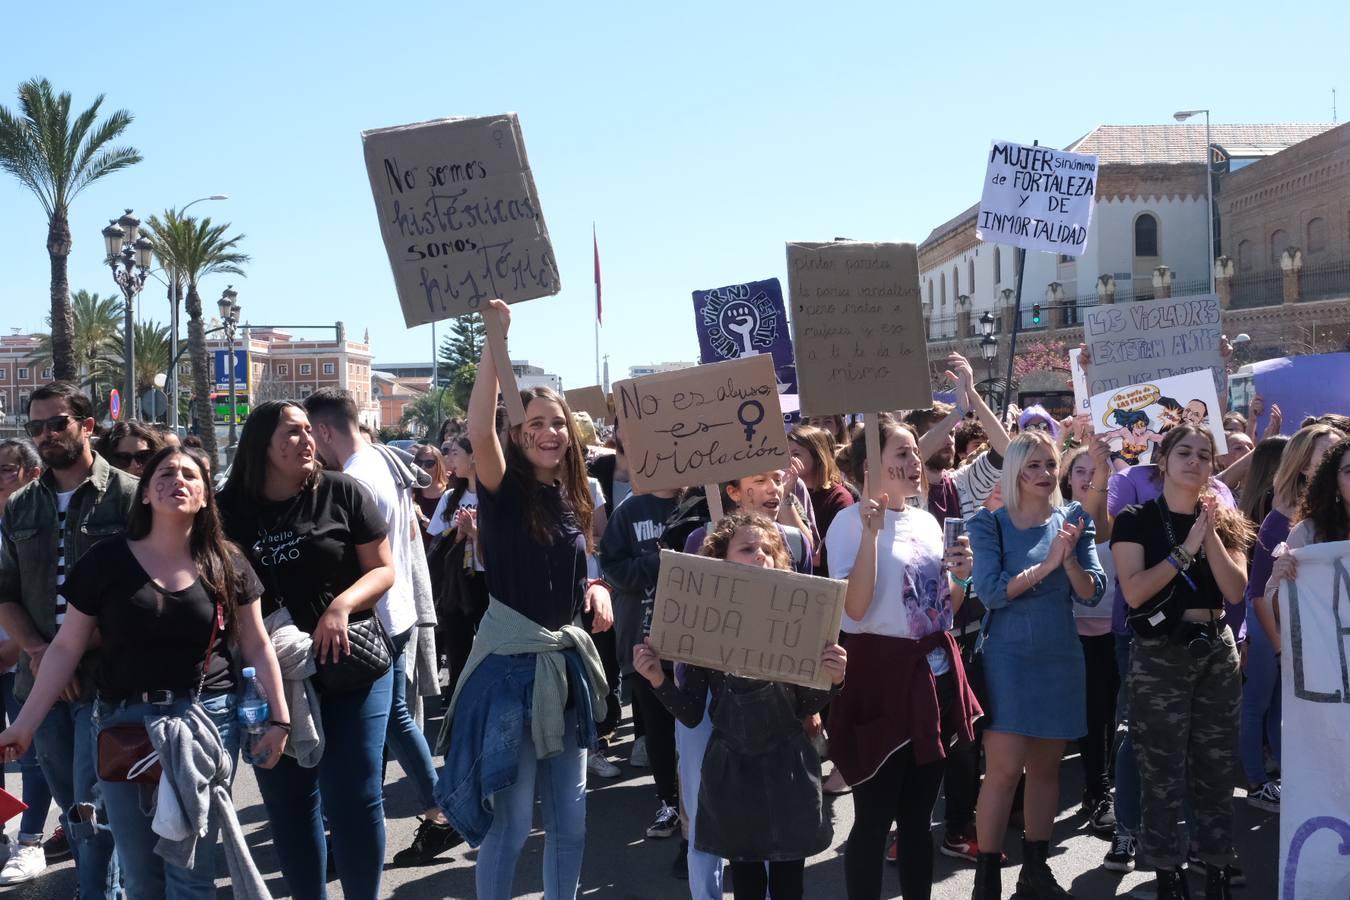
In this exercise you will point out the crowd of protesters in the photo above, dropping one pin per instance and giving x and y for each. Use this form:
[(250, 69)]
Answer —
[(1011, 592)]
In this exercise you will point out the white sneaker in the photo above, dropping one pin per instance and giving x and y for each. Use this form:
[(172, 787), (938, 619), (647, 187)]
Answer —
[(600, 767), (638, 758), (26, 862)]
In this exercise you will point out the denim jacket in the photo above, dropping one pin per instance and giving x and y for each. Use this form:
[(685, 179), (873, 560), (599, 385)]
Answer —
[(491, 719), (28, 552)]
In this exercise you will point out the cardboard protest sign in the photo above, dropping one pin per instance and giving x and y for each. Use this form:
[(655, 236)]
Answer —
[(1137, 417), (1315, 702), (1136, 342), (1082, 401), (857, 326), (770, 624), (459, 214), (1037, 198), (702, 425), (741, 320), (592, 400)]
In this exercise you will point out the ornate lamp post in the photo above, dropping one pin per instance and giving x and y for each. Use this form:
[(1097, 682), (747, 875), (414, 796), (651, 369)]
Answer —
[(988, 343), (126, 245), (229, 320)]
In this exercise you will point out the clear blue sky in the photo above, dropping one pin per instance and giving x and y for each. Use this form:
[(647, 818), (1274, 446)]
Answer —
[(699, 137)]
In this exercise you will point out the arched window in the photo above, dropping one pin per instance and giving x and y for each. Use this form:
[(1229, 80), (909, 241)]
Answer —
[(1244, 256), (930, 293), (970, 277), (1146, 235), (1279, 242), (956, 281), (944, 289), (1317, 236), (998, 268)]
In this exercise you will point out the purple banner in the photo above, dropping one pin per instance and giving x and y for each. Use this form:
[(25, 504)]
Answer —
[(743, 319)]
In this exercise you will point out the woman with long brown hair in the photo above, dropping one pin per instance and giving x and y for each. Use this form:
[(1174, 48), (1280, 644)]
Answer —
[(534, 687), (1179, 558), (429, 460), (171, 600), (318, 543)]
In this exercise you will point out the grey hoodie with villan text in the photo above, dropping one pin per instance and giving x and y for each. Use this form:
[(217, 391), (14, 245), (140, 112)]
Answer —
[(630, 560)]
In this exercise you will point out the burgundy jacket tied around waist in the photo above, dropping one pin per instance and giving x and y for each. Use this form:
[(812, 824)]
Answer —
[(890, 697)]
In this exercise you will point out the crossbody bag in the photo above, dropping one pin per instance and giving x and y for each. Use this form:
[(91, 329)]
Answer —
[(125, 752)]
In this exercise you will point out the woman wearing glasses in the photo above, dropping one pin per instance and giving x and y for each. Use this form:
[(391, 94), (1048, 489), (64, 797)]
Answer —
[(429, 460), (129, 445)]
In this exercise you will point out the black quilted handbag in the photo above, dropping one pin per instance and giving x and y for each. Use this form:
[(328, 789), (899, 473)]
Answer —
[(372, 655)]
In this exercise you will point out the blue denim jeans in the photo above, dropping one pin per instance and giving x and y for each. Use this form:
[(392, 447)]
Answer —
[(68, 756), (131, 809), (1260, 704), (1127, 769), (404, 738), (705, 869), (36, 794), (347, 786), (561, 781)]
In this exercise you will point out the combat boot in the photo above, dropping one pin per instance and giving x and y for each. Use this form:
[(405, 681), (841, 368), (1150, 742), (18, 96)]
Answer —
[(1217, 885), (1172, 885), (1037, 882), (988, 877)]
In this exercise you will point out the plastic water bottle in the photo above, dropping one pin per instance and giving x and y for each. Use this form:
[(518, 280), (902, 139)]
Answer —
[(253, 712)]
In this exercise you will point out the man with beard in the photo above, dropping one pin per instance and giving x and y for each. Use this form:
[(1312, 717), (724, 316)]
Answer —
[(49, 524)]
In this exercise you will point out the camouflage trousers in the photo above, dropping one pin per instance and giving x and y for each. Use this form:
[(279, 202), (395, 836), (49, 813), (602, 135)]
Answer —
[(1184, 724)]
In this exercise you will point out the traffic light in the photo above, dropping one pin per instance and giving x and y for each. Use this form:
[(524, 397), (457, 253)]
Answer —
[(1035, 314)]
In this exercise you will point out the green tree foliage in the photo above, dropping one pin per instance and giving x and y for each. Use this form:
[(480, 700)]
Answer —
[(56, 157)]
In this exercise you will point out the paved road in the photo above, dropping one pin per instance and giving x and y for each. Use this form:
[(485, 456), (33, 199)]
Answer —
[(621, 863)]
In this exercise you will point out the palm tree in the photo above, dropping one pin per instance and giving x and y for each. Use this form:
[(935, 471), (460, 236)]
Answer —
[(424, 415), (152, 355), (95, 340), (189, 250), (56, 157)]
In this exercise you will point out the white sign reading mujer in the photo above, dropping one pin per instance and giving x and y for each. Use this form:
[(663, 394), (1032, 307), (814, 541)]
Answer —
[(1037, 198), (1315, 698)]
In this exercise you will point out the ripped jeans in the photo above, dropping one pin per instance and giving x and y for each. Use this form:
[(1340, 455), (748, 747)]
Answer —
[(67, 752)]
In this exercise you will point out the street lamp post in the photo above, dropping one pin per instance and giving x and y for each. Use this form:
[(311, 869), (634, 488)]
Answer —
[(172, 388), (229, 320), (1182, 116), (988, 343), (126, 245)]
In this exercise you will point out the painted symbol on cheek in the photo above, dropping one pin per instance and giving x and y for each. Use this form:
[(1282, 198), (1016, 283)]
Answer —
[(750, 408)]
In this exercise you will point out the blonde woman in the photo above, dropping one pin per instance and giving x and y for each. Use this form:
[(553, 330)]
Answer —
[(1034, 558)]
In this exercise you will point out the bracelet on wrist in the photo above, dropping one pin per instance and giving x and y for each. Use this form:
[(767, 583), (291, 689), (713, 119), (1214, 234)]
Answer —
[(964, 582), (284, 726), (600, 581)]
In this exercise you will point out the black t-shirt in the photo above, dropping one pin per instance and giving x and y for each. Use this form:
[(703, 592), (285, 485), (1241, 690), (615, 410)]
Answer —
[(544, 582), (1143, 524), (153, 639), (303, 549)]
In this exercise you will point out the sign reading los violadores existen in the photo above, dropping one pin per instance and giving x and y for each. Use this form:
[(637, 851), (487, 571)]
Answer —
[(1132, 343), (702, 425), (460, 215), (857, 326), (771, 624), (1037, 198)]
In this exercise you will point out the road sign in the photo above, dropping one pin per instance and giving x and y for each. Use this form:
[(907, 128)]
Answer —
[(115, 404), (241, 368), (154, 404)]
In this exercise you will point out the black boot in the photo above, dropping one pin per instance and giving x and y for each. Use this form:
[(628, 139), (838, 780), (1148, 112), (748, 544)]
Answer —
[(1217, 885), (988, 877), (1172, 885), (1037, 882)]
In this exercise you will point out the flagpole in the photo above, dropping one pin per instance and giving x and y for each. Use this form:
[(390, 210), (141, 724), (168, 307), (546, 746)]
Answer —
[(597, 351), (595, 245)]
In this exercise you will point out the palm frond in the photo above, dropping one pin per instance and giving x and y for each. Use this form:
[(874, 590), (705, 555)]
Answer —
[(105, 164)]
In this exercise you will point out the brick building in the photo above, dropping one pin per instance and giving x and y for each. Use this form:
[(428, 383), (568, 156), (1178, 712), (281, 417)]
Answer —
[(1147, 238)]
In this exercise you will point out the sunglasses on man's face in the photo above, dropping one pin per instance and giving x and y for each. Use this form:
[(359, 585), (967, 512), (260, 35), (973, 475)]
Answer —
[(122, 460), (55, 424)]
